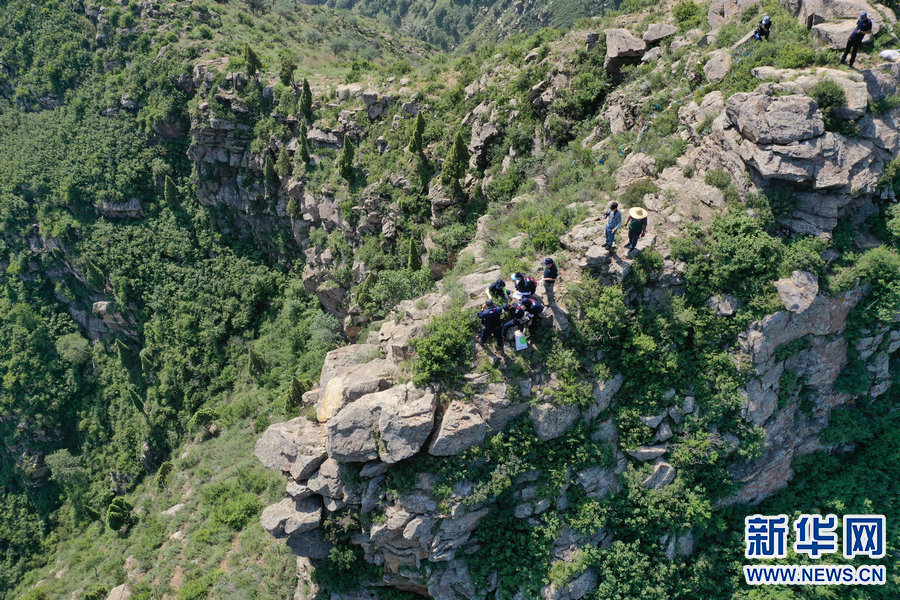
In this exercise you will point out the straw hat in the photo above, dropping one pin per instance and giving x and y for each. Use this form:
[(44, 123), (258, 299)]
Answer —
[(636, 212)]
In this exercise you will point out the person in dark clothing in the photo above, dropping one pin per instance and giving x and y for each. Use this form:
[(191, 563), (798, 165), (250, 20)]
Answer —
[(550, 275), (535, 309), (491, 321), (517, 317), (762, 30), (637, 227), (525, 285), (497, 290), (863, 27)]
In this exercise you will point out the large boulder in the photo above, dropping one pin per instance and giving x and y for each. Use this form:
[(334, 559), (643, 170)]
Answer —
[(657, 32), (763, 119), (351, 382), (718, 66), (296, 447), (290, 516), (622, 48), (798, 291), (390, 425), (551, 421), (462, 427), (721, 11)]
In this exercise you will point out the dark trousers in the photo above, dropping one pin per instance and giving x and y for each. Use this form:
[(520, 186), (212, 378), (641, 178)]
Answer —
[(633, 236), (487, 332), (853, 45), (548, 290)]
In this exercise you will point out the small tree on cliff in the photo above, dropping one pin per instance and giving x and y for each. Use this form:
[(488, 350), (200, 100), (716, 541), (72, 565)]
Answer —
[(416, 145), (251, 61), (303, 148), (283, 165), (272, 181), (294, 399), (293, 208), (413, 260), (170, 192), (455, 164), (345, 160), (306, 100), (286, 70)]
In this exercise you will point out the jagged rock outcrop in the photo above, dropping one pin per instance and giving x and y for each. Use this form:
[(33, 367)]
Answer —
[(817, 363), (621, 49)]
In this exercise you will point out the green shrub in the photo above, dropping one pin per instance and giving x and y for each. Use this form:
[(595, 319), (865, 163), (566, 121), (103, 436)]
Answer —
[(236, 510), (830, 97), (718, 178), (688, 15), (446, 349), (163, 474), (95, 592), (634, 193), (602, 315), (119, 514), (544, 231)]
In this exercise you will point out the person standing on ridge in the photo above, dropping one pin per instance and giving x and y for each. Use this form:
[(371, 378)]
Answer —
[(613, 221), (863, 27), (491, 323), (762, 30), (637, 227), (550, 275)]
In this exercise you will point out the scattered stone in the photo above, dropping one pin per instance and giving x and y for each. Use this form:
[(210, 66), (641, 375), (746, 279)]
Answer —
[(551, 421), (663, 475), (170, 512), (646, 453), (798, 291), (724, 305)]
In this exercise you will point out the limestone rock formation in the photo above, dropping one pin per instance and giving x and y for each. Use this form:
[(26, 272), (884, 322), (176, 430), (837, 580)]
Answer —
[(621, 48)]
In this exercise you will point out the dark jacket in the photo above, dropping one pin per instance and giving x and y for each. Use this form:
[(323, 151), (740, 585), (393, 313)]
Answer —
[(516, 312), (491, 317), (498, 288), (551, 272), (863, 26), (536, 308), (526, 285), (762, 31)]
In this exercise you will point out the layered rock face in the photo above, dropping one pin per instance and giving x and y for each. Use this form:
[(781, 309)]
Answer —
[(805, 342), (781, 141)]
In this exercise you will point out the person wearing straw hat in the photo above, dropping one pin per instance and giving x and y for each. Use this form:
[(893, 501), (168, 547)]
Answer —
[(637, 227)]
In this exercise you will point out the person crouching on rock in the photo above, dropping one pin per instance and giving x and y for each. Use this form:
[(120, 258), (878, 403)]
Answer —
[(535, 309), (491, 323), (762, 30), (525, 285), (497, 291), (517, 315)]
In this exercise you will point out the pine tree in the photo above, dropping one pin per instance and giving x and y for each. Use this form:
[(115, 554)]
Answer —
[(256, 364), (293, 208), (136, 400), (283, 165), (345, 161), (121, 350), (272, 181), (416, 145), (364, 291), (303, 150), (413, 260), (286, 70), (95, 276), (295, 397), (170, 192), (455, 164), (251, 61), (306, 100)]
